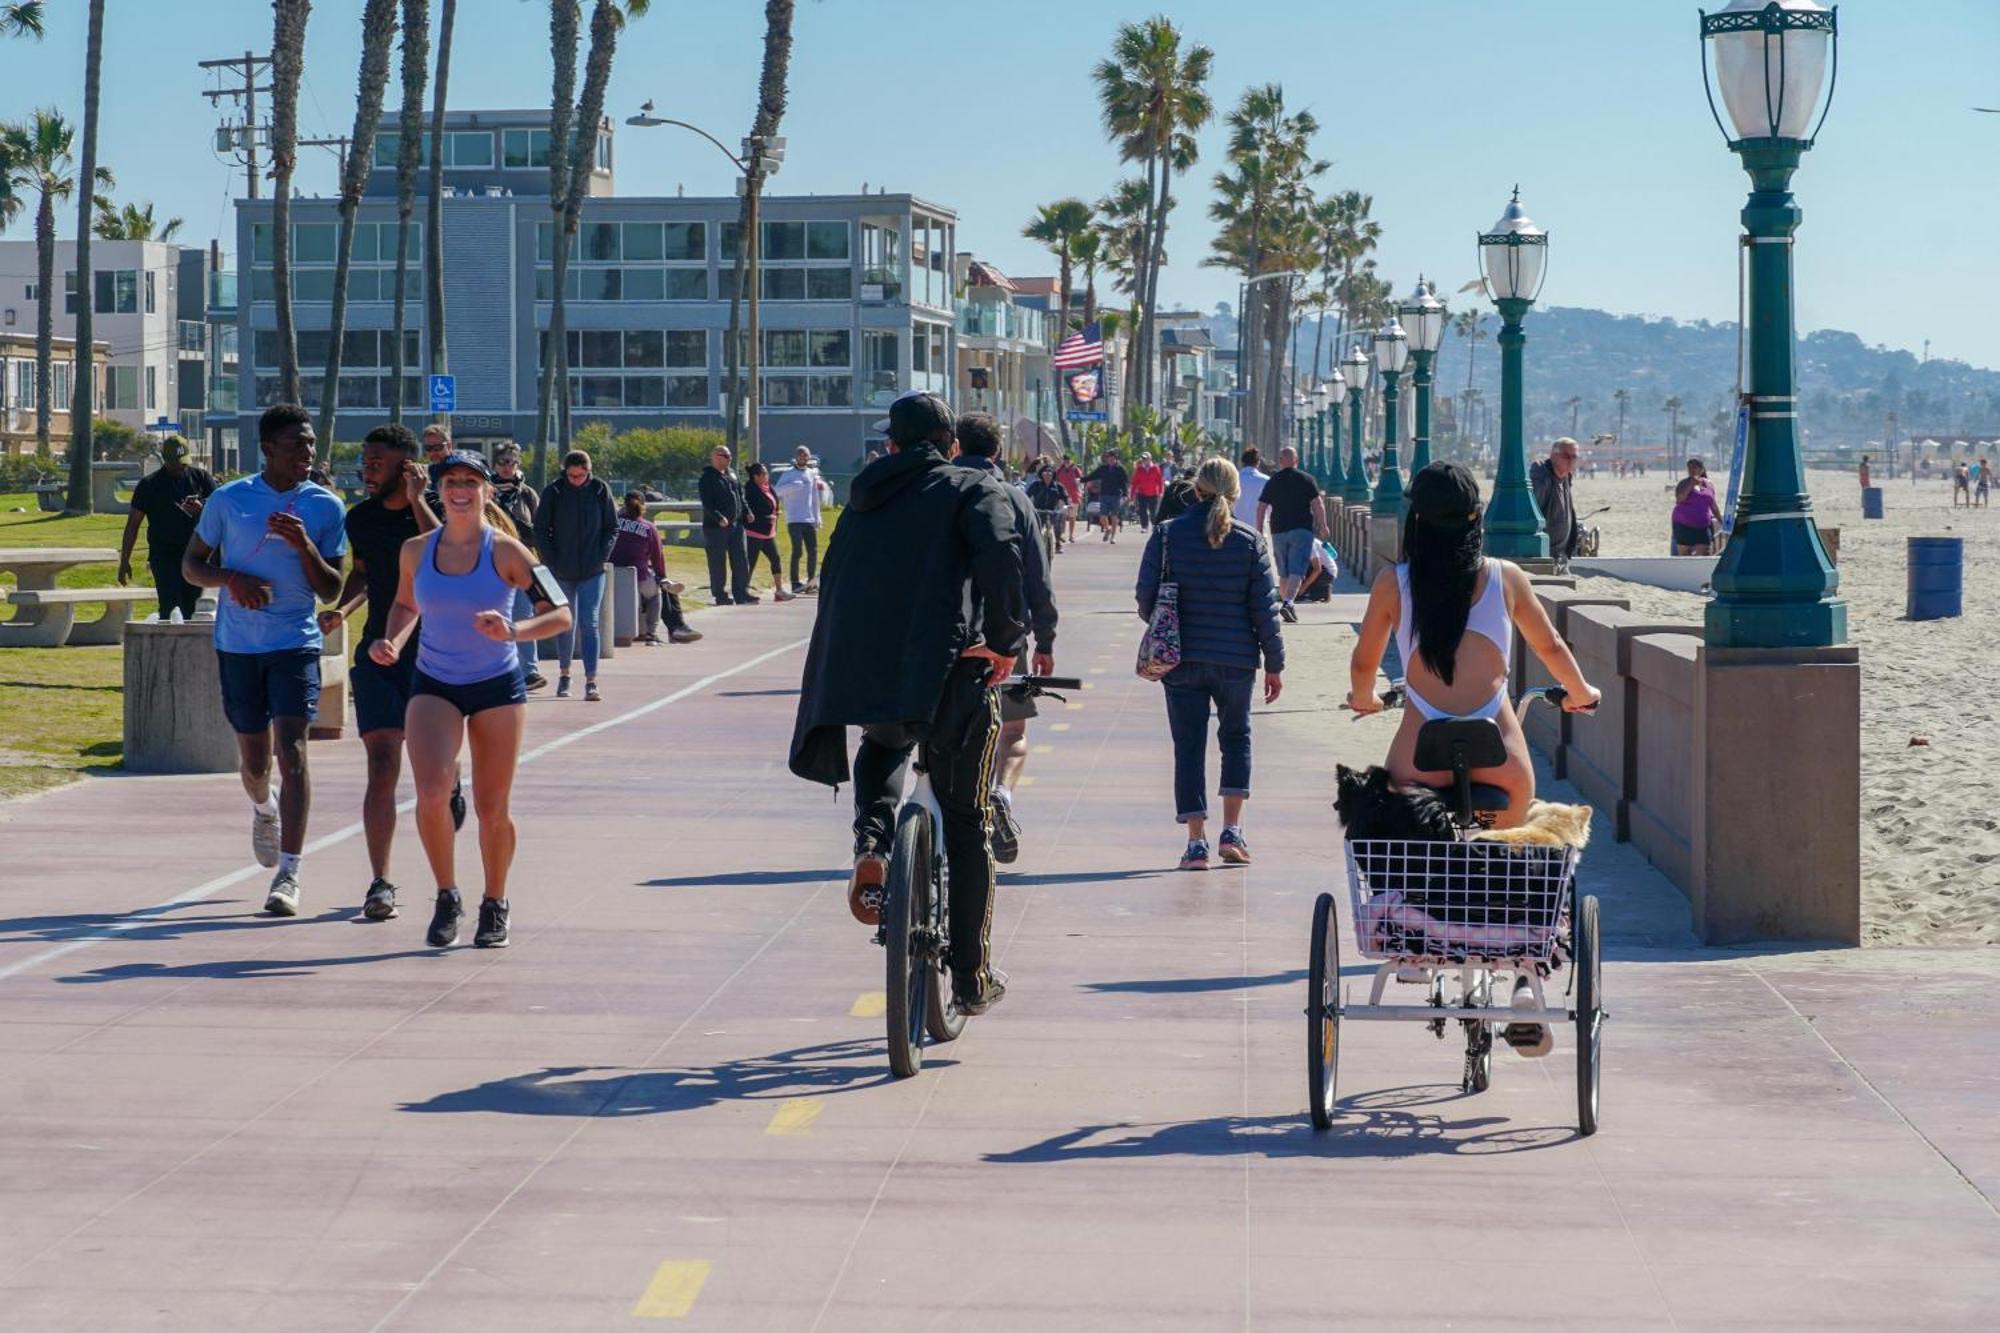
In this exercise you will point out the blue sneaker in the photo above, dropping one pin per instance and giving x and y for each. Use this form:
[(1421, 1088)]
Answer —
[(1196, 855), (1234, 850)]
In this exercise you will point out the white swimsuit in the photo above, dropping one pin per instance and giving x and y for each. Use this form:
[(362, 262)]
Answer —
[(1488, 618)]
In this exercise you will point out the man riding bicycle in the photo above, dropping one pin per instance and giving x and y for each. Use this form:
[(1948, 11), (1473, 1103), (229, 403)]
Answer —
[(979, 447), (921, 613)]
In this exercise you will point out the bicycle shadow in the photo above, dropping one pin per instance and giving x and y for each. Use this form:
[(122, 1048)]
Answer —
[(746, 878), (1371, 1126), (1205, 985), (560, 1090)]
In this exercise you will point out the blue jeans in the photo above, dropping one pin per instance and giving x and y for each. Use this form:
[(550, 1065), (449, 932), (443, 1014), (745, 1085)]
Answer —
[(524, 607), (1191, 688), (586, 598), (1293, 549)]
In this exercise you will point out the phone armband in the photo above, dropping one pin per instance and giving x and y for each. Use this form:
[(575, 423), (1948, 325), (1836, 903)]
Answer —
[(546, 589)]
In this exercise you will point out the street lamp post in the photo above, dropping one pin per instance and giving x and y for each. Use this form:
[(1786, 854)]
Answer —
[(1354, 369), (1422, 317), (1322, 398), (1515, 256), (1774, 584), (1336, 475), (1392, 353)]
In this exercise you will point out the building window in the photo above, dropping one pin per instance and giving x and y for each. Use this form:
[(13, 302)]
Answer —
[(367, 377), (524, 148), (69, 292), (797, 261), (462, 148), (149, 292), (604, 152), (674, 256), (881, 374), (152, 388), (637, 369), (121, 389), (371, 275)]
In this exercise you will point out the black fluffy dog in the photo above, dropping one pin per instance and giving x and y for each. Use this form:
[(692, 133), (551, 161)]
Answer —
[(1369, 806)]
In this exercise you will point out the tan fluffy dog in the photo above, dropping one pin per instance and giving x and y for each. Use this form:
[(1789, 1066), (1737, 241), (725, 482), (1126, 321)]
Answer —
[(1548, 825)]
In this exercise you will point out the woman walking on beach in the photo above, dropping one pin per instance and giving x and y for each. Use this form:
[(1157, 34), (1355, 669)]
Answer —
[(1228, 598), (460, 580), (1696, 515)]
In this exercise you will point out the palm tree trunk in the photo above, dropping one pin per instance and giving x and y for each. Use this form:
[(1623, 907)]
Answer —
[(378, 33), (81, 404), (564, 20), (1142, 268), (45, 349), (1157, 250), (409, 143), (772, 83), (1064, 276), (288, 40), (440, 359)]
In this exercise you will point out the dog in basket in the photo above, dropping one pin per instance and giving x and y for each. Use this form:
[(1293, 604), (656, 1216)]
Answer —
[(1370, 806)]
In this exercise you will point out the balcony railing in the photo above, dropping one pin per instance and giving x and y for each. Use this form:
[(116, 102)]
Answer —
[(221, 291), (192, 336)]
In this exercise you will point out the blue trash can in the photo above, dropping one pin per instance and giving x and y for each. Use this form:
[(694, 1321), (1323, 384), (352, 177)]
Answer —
[(1936, 577), (1871, 502)]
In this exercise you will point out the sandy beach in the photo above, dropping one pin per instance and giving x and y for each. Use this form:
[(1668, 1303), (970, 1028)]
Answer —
[(1930, 814)]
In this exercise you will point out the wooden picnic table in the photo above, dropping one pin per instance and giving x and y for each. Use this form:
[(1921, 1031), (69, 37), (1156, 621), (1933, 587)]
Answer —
[(35, 569)]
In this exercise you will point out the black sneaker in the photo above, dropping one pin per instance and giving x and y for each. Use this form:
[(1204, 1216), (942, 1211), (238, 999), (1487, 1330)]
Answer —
[(1286, 610), (458, 805), (492, 932), (537, 681), (380, 904), (444, 921), (975, 999), (748, 599), (1006, 832)]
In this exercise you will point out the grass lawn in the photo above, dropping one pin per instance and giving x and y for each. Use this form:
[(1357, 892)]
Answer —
[(689, 564)]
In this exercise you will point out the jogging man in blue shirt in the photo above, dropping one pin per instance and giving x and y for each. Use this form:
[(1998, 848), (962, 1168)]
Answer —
[(274, 542)]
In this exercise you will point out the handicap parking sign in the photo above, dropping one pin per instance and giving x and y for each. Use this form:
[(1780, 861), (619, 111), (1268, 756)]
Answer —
[(444, 393)]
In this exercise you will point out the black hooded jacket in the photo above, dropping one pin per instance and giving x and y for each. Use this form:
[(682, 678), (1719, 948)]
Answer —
[(1034, 565), (925, 562)]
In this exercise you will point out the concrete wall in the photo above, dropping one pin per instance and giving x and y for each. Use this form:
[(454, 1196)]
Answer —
[(1660, 812)]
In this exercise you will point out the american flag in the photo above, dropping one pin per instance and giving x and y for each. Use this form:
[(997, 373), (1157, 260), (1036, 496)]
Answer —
[(1081, 349)]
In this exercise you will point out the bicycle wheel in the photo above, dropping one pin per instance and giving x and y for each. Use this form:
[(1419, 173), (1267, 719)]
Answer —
[(905, 913), (1322, 1012), (1479, 1039), (1589, 1015), (943, 1019)]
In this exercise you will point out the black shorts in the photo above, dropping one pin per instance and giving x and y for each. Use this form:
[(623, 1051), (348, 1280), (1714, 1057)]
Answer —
[(380, 693), (1016, 704), (1686, 534), (257, 687), (493, 692)]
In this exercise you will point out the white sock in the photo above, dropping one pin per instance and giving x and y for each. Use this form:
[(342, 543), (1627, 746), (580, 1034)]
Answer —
[(1001, 794), (1235, 830), (288, 863), (269, 808)]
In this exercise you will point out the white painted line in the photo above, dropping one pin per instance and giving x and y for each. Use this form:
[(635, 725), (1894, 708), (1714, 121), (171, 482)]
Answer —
[(143, 917)]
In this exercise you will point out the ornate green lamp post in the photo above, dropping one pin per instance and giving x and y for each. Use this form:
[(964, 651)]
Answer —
[(1299, 424), (1515, 256), (1354, 369), (1335, 390), (1774, 584), (1316, 436), (1392, 354), (1422, 317)]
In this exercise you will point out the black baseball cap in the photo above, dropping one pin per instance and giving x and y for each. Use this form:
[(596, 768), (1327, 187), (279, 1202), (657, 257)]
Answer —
[(915, 417), (173, 448), (464, 458), (1445, 494)]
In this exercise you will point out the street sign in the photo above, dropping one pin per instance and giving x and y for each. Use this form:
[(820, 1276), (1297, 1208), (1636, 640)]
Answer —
[(1736, 468), (165, 426), (444, 393), (1087, 416)]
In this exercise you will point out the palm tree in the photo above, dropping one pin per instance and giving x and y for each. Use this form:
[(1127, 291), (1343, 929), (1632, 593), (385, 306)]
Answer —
[(133, 222), (1672, 407), (1574, 404), (1057, 226), (21, 18), (83, 401), (1470, 326), (39, 156), (1086, 253), (378, 34), (409, 156), (288, 47), (440, 359), (1621, 397), (1152, 98), (771, 91)]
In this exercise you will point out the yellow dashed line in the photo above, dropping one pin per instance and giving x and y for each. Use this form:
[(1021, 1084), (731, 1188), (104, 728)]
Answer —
[(795, 1115), (1098, 671), (671, 1293), (1073, 707), (1058, 726), (869, 1004), (1026, 782), (1043, 749)]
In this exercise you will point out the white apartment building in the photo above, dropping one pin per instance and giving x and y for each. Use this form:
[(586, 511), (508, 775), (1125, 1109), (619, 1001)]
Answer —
[(135, 297)]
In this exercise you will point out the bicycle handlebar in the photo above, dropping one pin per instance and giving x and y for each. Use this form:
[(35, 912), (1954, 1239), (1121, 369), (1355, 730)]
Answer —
[(1554, 694), (1038, 684)]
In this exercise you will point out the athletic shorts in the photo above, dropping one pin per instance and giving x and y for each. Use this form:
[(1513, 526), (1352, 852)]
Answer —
[(1293, 551), (1016, 704), (493, 692), (381, 693), (257, 687), (1686, 534)]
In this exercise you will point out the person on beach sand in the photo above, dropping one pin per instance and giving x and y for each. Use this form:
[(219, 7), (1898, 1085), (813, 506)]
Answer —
[(1696, 515)]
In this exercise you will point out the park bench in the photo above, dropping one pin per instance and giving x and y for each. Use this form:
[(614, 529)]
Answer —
[(680, 531), (686, 508), (58, 624)]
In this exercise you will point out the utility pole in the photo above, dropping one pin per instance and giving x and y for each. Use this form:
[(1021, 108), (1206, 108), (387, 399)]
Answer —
[(248, 64)]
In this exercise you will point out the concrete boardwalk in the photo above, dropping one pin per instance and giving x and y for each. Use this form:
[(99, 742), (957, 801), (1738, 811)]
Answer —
[(669, 1099)]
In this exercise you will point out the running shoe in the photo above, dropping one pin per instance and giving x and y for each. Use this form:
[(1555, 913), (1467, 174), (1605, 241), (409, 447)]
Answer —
[(562, 687), (537, 681), (1233, 849), (264, 837), (1529, 1039), (380, 904), (444, 920), (590, 692), (457, 805), (685, 634), (1196, 855), (492, 932), (798, 589), (866, 888), (1289, 612), (977, 996), (1006, 831), (748, 599), (283, 899), (779, 594)]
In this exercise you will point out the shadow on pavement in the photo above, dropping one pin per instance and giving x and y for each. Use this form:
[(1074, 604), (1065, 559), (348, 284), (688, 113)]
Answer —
[(1359, 1131), (1079, 876), (1199, 985), (560, 1090), (748, 877), (754, 694), (244, 969), (150, 923)]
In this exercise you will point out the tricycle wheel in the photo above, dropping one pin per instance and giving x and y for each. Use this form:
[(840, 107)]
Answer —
[(1589, 1016), (1322, 1012)]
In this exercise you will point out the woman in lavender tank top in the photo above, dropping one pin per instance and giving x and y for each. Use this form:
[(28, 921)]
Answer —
[(459, 581)]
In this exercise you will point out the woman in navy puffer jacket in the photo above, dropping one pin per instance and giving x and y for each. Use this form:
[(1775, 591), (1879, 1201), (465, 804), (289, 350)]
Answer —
[(1229, 622)]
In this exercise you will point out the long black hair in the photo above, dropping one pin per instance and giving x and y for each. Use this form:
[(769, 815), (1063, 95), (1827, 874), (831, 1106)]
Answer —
[(1444, 535)]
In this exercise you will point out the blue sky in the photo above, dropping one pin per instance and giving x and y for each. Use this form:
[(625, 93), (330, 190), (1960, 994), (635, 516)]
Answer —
[(1436, 107)]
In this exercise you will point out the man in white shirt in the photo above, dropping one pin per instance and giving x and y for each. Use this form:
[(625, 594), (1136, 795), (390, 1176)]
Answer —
[(1251, 495), (804, 493)]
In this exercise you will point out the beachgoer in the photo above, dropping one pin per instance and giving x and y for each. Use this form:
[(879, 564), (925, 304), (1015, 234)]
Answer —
[(760, 526), (1453, 612), (1291, 509), (518, 500), (459, 580), (1550, 481), (169, 499), (1696, 515), (274, 541), (1229, 623), (1108, 485), (1985, 481), (926, 557), (1149, 483), (1250, 481), (1070, 476), (576, 524), (1864, 472), (722, 532), (1961, 484), (806, 495)]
